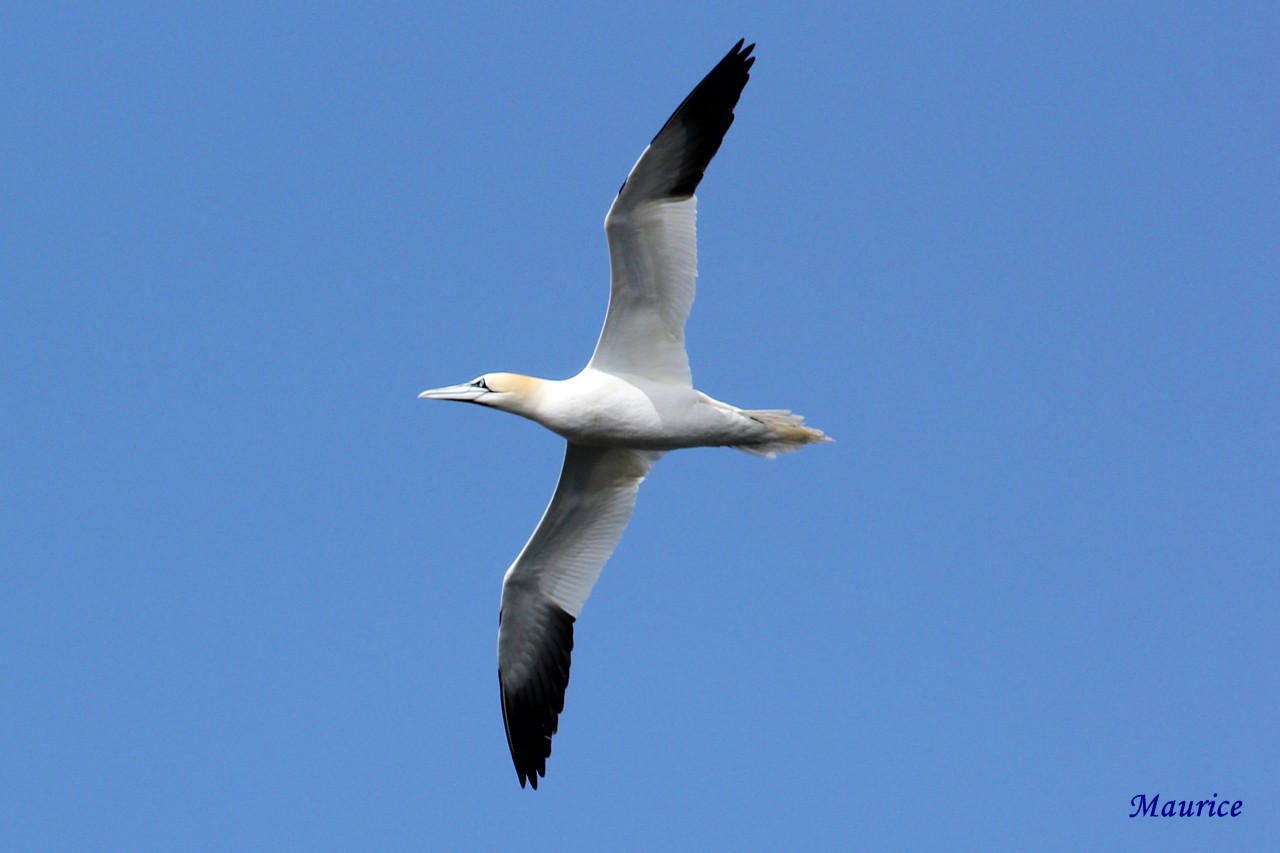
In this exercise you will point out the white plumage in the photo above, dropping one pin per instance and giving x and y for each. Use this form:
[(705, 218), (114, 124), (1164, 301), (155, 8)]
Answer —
[(633, 401)]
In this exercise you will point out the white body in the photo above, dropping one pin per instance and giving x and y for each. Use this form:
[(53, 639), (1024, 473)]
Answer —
[(598, 409)]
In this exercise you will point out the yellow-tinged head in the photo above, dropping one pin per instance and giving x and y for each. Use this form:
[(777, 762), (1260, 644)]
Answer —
[(512, 392)]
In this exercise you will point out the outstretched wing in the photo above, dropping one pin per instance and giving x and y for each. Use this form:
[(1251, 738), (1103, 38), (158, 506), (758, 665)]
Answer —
[(545, 588), (653, 252)]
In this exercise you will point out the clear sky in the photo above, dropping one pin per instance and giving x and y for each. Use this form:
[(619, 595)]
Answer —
[(1021, 261)]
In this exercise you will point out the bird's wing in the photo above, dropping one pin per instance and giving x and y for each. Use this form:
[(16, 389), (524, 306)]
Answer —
[(653, 252), (544, 590)]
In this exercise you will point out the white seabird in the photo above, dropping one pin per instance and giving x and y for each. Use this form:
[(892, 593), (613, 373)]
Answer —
[(633, 401)]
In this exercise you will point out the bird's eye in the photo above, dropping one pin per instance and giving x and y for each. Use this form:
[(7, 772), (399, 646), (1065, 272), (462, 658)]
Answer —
[(480, 383)]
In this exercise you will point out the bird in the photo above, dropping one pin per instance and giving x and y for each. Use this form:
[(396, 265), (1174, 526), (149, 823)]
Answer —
[(633, 402)]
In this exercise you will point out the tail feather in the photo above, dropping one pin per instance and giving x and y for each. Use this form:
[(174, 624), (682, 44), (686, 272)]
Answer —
[(786, 433)]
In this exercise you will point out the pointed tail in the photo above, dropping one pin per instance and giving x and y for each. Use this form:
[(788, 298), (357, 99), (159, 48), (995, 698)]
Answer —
[(786, 433)]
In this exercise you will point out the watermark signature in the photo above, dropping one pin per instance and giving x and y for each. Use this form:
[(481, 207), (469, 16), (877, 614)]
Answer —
[(1152, 807)]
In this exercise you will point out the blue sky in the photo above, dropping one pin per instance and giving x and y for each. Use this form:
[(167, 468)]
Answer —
[(1020, 260)]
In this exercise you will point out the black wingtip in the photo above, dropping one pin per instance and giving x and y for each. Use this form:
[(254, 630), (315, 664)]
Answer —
[(531, 709), (707, 114)]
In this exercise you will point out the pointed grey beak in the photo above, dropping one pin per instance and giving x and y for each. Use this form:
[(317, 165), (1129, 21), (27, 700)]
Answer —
[(466, 393)]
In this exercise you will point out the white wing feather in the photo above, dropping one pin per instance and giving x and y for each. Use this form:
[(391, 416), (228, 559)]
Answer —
[(545, 588), (652, 232), (580, 527), (653, 258)]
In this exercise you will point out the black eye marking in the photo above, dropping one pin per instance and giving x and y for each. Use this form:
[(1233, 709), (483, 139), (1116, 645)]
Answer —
[(480, 383)]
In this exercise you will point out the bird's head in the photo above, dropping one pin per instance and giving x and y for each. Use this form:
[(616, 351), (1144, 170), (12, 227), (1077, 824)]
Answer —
[(510, 392)]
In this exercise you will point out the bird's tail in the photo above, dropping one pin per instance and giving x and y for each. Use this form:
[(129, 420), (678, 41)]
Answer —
[(786, 433)]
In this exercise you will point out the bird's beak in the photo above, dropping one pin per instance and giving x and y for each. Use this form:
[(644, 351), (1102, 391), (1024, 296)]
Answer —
[(466, 393)]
